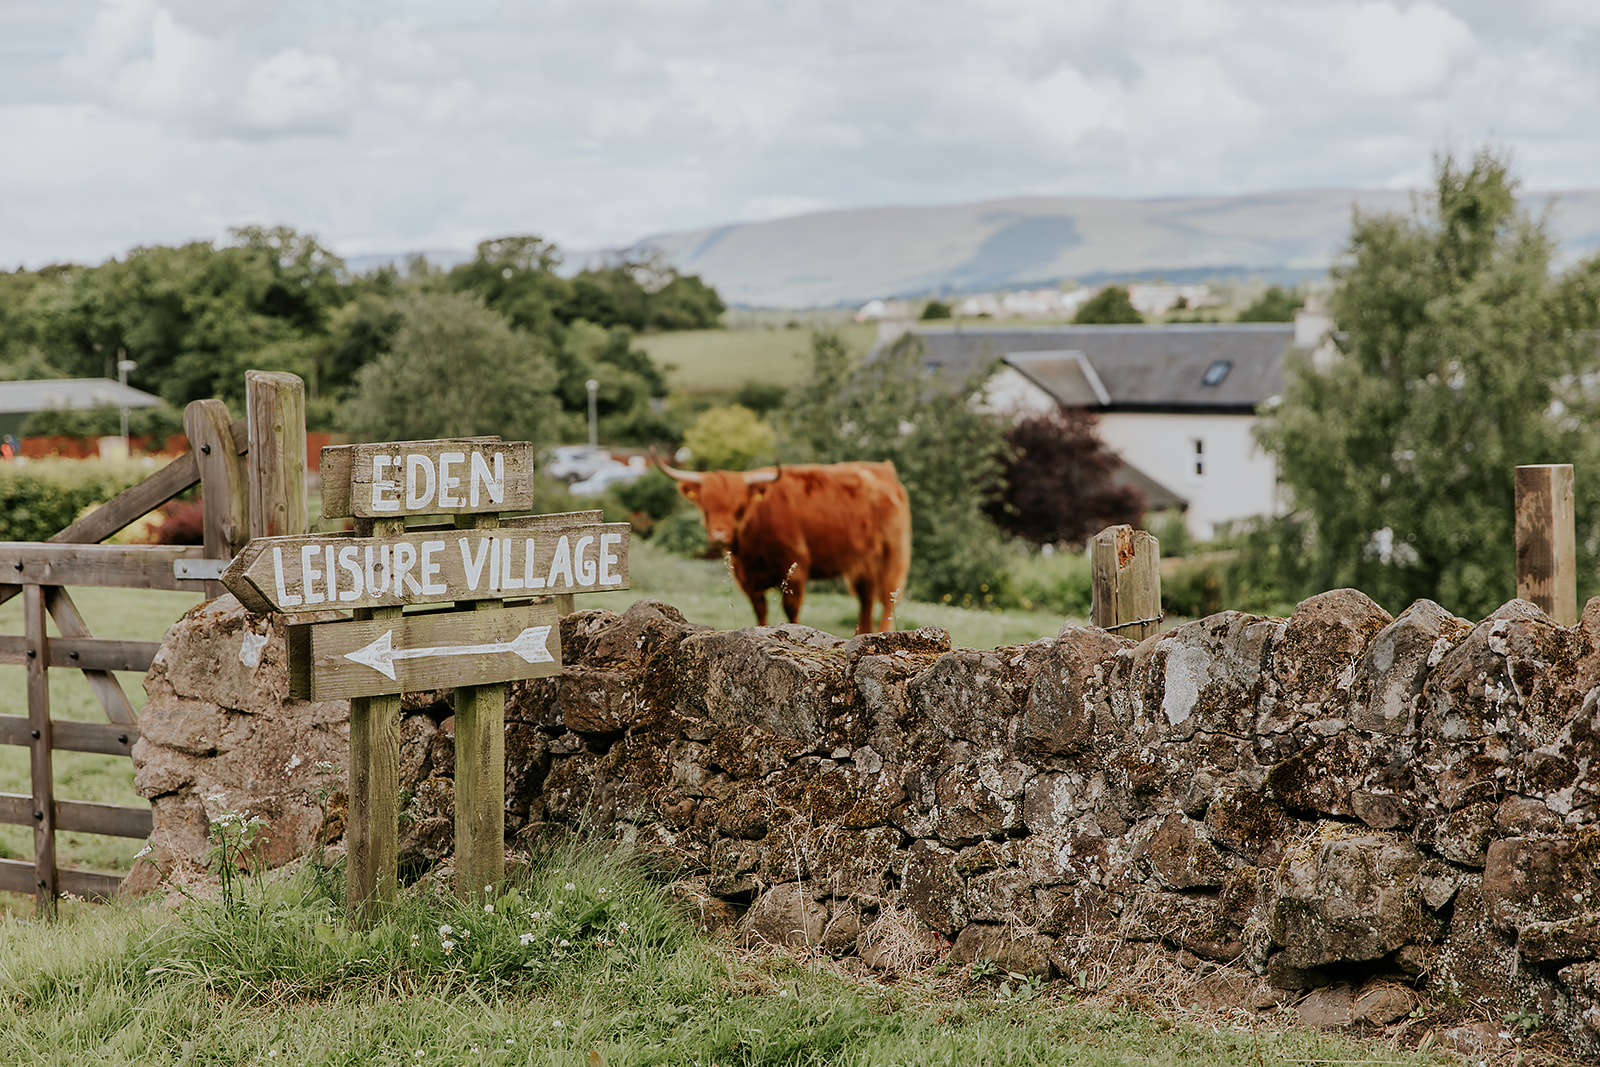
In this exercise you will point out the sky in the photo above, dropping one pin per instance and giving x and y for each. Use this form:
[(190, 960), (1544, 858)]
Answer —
[(386, 126)]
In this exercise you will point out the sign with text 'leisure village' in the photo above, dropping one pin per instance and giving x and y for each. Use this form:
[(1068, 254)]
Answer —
[(315, 573)]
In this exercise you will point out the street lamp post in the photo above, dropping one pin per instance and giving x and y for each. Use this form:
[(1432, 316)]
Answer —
[(594, 420), (123, 367)]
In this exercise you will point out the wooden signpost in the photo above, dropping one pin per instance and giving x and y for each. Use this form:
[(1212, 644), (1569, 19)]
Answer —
[(478, 562)]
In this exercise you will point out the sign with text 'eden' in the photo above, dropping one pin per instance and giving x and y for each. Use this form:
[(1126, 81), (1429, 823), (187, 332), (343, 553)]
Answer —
[(336, 660), (460, 477), (294, 574)]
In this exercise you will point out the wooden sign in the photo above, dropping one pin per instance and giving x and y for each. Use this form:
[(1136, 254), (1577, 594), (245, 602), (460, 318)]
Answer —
[(333, 660), (460, 477), (292, 574)]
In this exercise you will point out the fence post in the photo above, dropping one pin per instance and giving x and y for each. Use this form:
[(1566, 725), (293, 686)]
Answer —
[(275, 408), (372, 828), (222, 481), (1125, 576), (480, 781), (40, 758), (1547, 565)]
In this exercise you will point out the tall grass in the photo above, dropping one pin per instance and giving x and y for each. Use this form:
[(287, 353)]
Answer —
[(584, 959)]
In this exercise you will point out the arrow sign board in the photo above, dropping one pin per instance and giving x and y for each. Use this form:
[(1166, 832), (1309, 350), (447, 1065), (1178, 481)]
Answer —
[(460, 477), (335, 660), (293, 574)]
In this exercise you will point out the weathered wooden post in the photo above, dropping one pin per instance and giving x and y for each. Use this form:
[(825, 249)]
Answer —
[(226, 515), (275, 409), (1547, 564), (482, 562), (1125, 576)]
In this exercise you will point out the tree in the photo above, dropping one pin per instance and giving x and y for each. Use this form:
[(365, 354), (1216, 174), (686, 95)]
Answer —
[(1109, 307), (516, 276), (945, 452), (455, 369), (730, 437), (1461, 356), (1057, 482), (1277, 304), (934, 309)]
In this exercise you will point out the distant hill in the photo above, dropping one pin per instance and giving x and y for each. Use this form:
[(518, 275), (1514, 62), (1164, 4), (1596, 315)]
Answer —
[(834, 257), (829, 258)]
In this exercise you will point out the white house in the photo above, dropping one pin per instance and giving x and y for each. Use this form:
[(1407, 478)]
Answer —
[(1177, 403)]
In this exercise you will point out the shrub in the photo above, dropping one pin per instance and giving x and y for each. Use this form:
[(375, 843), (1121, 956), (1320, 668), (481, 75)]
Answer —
[(1058, 581), (42, 497), (682, 532), (731, 437), (1109, 307)]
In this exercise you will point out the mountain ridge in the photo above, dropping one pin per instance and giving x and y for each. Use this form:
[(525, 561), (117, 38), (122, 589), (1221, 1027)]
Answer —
[(842, 256)]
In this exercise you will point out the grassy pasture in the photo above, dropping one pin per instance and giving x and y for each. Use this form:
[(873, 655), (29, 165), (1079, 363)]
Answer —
[(585, 960), (716, 361)]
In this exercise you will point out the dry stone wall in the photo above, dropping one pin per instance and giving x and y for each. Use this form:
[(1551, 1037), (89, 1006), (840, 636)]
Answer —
[(1342, 801)]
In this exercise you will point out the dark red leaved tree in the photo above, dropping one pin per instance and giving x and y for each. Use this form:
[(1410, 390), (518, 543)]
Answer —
[(1058, 481)]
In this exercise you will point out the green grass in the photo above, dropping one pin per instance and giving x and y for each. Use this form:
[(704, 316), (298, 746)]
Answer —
[(721, 360), (277, 977), (706, 593)]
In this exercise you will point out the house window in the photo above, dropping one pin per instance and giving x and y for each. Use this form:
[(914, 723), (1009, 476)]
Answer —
[(1197, 459), (1215, 373)]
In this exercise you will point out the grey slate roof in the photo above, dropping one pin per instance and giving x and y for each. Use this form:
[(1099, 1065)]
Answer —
[(24, 398), (1138, 368)]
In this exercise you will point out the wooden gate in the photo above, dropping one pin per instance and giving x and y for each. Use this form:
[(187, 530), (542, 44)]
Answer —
[(252, 478)]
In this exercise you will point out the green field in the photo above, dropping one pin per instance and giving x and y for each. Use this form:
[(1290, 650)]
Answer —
[(709, 361)]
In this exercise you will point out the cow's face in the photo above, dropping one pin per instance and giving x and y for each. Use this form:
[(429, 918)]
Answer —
[(725, 500)]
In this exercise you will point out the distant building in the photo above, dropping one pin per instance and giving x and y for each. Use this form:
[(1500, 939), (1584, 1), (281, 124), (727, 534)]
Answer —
[(18, 400), (1178, 403)]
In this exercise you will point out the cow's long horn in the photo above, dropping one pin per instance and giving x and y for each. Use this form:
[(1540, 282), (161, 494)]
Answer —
[(674, 473), (759, 477)]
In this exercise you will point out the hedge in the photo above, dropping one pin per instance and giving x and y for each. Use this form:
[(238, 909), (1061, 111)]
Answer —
[(40, 497)]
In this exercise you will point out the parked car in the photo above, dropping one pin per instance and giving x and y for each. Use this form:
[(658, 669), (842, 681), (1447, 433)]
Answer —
[(575, 462), (606, 477)]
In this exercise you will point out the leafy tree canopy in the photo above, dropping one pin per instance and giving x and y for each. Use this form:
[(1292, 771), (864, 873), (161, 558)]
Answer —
[(1109, 307), (730, 437), (455, 369), (1277, 304), (946, 453), (1461, 355), (1057, 485)]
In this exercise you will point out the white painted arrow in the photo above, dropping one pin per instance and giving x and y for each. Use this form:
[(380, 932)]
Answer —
[(381, 654)]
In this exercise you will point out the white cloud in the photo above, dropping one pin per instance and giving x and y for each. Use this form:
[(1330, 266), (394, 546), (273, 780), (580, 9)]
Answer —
[(387, 125), (295, 92)]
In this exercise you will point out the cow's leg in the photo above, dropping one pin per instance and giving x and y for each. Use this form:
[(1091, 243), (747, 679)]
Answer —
[(793, 589), (758, 600), (887, 595), (863, 591)]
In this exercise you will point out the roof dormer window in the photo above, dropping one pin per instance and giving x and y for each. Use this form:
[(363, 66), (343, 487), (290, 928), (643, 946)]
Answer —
[(1215, 373)]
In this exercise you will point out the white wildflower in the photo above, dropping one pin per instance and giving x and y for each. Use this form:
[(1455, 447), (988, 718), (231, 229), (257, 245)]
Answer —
[(488, 909), (570, 887), (526, 939), (448, 946), (565, 942), (557, 1024), (446, 930), (622, 928)]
